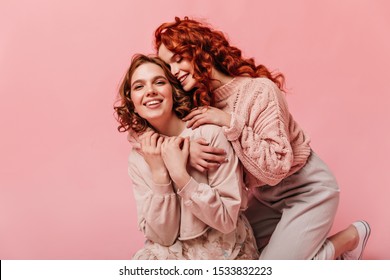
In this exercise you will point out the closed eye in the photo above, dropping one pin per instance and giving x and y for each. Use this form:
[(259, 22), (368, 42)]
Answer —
[(137, 87), (178, 58), (161, 82)]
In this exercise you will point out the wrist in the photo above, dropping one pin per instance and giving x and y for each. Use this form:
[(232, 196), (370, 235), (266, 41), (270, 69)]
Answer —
[(160, 176), (181, 180), (227, 120)]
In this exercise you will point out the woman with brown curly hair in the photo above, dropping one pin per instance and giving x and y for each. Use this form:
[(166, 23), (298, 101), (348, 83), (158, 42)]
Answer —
[(294, 194), (183, 213)]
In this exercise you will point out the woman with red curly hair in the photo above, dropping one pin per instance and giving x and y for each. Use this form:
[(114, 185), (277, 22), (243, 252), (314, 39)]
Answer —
[(294, 194), (183, 213)]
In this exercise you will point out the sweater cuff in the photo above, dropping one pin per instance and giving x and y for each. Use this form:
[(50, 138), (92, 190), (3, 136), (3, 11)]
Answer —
[(188, 190), (163, 189), (237, 124)]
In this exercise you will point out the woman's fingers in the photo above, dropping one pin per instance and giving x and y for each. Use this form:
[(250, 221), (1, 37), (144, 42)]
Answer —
[(205, 165), (151, 142), (186, 145), (192, 114), (206, 148), (212, 158), (159, 142), (213, 150), (198, 120), (201, 141)]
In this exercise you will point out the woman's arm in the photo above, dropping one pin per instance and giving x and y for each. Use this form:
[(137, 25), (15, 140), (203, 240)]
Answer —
[(217, 203), (158, 207), (258, 130), (157, 204), (202, 157), (205, 157)]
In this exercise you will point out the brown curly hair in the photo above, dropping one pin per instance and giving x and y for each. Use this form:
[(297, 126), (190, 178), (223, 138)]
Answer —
[(124, 112), (207, 48)]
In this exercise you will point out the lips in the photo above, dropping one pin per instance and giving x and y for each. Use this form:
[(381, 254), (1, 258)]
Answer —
[(182, 78), (152, 102)]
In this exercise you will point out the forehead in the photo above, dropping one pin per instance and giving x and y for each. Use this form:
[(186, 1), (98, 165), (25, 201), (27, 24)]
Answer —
[(164, 53), (147, 71)]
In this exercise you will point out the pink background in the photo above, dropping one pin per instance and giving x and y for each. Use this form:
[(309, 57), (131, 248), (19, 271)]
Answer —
[(64, 188)]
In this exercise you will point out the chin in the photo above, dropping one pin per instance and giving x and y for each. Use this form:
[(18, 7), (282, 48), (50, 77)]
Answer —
[(189, 86)]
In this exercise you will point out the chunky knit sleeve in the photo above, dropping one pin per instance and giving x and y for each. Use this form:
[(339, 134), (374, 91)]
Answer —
[(259, 131), (158, 206)]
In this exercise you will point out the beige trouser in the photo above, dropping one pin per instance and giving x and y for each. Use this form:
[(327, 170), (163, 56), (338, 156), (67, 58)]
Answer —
[(292, 219)]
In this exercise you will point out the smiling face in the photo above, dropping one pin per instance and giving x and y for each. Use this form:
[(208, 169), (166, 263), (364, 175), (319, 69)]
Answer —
[(151, 94), (181, 67)]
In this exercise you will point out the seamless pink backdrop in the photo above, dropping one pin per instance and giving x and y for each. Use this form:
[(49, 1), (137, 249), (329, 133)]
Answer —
[(64, 188)]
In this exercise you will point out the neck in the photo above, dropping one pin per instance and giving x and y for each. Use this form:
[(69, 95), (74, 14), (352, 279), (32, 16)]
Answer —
[(220, 79), (172, 127)]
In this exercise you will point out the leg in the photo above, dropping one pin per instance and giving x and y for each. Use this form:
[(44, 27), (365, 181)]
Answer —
[(345, 240), (263, 220), (307, 201), (303, 228), (350, 243)]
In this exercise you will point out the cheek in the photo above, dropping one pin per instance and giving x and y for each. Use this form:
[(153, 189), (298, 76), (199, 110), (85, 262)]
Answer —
[(135, 97), (136, 100), (169, 97), (190, 68)]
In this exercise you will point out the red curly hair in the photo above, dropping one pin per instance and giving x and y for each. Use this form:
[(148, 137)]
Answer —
[(128, 119), (207, 48)]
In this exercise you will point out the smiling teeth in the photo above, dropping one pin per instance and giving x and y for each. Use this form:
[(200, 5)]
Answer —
[(152, 102), (183, 78)]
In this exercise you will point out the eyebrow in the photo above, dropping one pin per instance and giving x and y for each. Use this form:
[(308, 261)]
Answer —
[(173, 57), (154, 78)]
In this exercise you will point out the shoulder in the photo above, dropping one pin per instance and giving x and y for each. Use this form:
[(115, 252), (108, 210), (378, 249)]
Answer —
[(135, 158), (257, 81), (209, 132), (255, 90), (261, 84), (249, 87)]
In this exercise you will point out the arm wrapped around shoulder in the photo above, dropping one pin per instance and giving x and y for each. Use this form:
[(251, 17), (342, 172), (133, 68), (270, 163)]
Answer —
[(264, 134)]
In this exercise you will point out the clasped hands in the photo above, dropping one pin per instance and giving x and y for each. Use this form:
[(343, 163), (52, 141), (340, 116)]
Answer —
[(167, 157)]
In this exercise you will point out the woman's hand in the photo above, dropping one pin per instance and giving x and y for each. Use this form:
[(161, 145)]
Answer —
[(151, 148), (203, 115), (204, 157), (175, 152)]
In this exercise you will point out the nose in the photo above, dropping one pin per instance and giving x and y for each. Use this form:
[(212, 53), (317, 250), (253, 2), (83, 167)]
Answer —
[(174, 70), (150, 91)]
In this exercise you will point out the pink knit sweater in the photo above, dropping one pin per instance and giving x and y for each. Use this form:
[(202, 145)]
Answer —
[(264, 135)]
